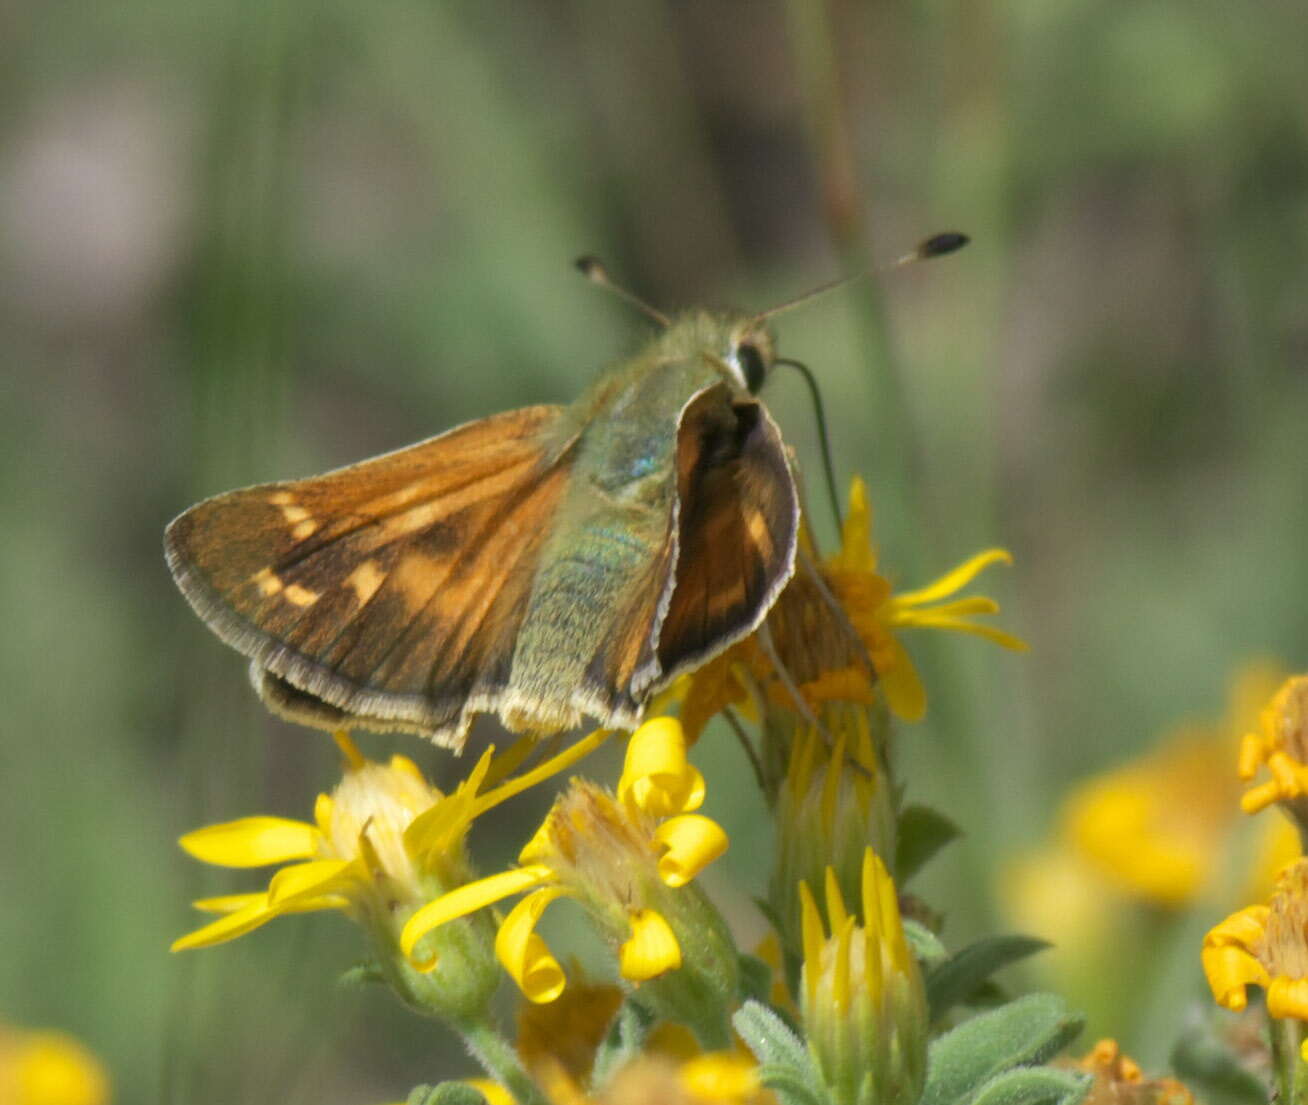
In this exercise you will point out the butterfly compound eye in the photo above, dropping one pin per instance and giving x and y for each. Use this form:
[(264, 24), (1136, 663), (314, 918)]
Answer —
[(751, 365)]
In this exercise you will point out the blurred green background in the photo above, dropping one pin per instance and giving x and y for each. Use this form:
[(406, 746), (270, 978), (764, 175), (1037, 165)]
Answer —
[(242, 241)]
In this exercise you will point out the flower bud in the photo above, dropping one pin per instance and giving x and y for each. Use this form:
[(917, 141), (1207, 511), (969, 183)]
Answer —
[(861, 996)]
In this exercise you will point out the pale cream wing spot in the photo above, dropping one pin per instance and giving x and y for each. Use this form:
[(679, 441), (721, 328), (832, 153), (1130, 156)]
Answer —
[(427, 514), (268, 582), (304, 529), (281, 498), (294, 514), (365, 581), (757, 526), (417, 577), (300, 596)]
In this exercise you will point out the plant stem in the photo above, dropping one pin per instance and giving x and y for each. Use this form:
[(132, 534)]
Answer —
[(500, 1061), (1287, 1037)]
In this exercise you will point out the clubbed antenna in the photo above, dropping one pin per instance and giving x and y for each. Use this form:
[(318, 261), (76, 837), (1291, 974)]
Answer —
[(594, 270), (948, 241)]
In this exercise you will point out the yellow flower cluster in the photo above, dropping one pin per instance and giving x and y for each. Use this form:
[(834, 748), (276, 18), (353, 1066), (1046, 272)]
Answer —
[(1118, 1080), (613, 853), (1266, 945), (1280, 743)]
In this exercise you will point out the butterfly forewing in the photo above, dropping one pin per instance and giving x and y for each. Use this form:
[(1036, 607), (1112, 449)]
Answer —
[(392, 589), (737, 529)]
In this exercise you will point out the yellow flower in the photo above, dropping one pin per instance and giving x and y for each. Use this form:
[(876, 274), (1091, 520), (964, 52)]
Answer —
[(619, 855), (878, 614), (1118, 1080), (710, 1078), (557, 1044), (383, 833), (1280, 742), (862, 998), (564, 1035), (382, 844), (1267, 946), (1156, 826), (49, 1068)]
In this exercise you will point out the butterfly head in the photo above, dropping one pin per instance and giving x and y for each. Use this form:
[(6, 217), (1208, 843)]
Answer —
[(749, 355)]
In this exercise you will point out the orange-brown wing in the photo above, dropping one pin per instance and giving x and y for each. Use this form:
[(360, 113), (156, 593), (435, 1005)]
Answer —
[(737, 527), (391, 590), (811, 634)]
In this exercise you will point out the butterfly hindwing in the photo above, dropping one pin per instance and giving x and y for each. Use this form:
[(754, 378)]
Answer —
[(393, 589)]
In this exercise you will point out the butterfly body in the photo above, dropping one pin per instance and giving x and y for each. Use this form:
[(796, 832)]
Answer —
[(544, 564)]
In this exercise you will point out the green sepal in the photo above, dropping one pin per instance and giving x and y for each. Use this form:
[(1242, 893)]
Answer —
[(1022, 1033), (779, 1049), (922, 832), (364, 973), (622, 1042), (1035, 1086), (446, 1093), (1214, 1072), (926, 945), (966, 971), (755, 979)]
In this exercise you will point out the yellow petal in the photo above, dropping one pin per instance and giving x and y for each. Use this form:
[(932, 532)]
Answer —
[(652, 950), (708, 692), (905, 694), (402, 765), (253, 842), (656, 776), (354, 759), (541, 845), (813, 939), (1252, 753), (228, 927), (551, 767), (929, 620), (720, 1076), (1243, 928), (856, 551), (1229, 970), (229, 903), (836, 912), (467, 899), (1288, 997), (524, 954), (840, 981), (956, 579), (309, 880), (1258, 798), (493, 1092), (507, 762), (851, 684), (440, 829), (692, 842), (957, 608), (323, 807)]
